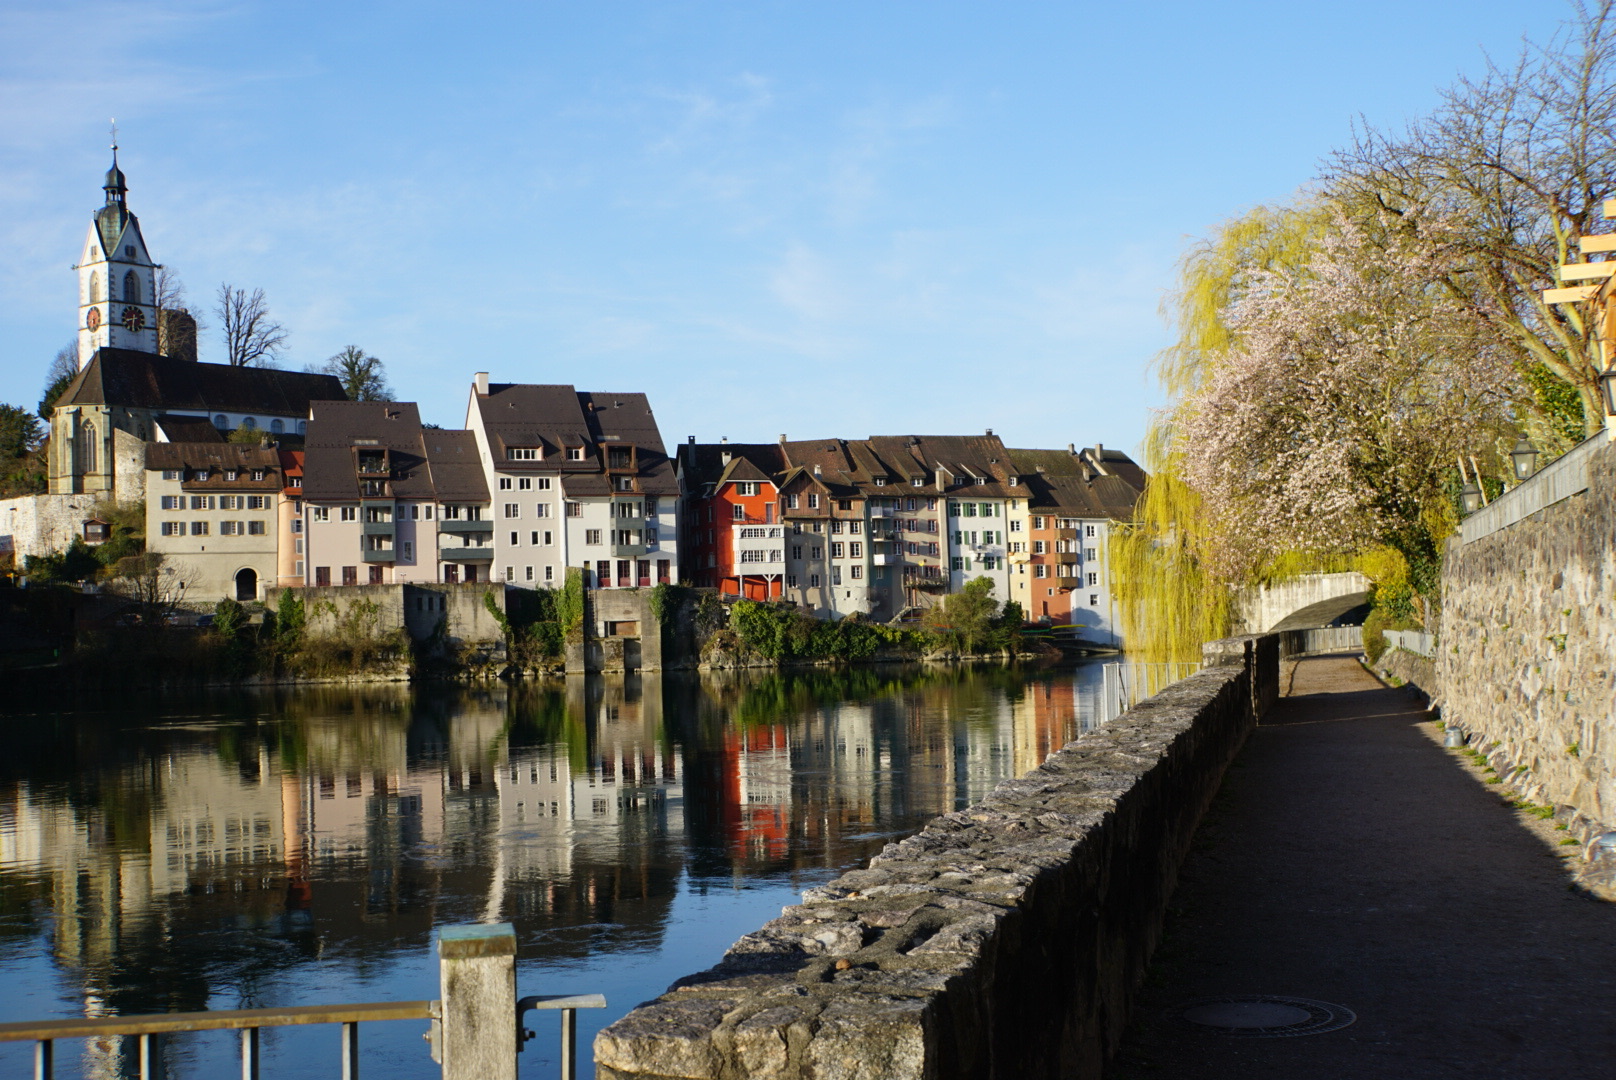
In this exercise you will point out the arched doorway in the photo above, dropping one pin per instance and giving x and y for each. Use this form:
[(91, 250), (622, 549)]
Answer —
[(247, 584)]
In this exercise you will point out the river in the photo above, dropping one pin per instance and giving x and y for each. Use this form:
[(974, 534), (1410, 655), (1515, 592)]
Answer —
[(300, 846)]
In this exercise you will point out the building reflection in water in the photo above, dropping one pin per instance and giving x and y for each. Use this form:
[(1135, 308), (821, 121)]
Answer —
[(228, 851)]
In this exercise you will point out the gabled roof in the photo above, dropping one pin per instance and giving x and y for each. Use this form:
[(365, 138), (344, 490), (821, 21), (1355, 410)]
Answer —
[(122, 377), (701, 464), (1066, 482), (423, 463), (216, 458), (188, 429)]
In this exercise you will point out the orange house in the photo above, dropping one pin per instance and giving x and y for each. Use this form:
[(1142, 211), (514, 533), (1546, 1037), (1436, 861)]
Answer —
[(734, 540)]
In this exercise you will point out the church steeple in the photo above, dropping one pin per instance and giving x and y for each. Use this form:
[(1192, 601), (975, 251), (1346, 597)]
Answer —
[(117, 278)]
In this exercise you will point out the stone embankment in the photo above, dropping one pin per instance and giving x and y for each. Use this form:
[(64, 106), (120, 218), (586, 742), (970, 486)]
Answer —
[(1526, 664), (1002, 941)]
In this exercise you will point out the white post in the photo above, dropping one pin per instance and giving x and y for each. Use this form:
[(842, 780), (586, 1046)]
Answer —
[(477, 969)]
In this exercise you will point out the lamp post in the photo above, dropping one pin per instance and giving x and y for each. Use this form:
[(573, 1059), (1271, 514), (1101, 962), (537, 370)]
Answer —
[(1607, 389), (1471, 494), (1524, 457)]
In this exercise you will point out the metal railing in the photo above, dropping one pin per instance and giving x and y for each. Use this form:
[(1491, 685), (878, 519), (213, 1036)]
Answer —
[(1560, 479), (1124, 685), (149, 1028), (480, 1018), (1322, 640), (1415, 641)]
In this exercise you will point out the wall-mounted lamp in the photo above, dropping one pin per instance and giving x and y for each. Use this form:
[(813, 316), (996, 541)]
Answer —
[(1471, 494), (1524, 457)]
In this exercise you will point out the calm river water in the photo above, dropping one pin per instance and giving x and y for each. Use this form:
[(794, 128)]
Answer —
[(300, 846)]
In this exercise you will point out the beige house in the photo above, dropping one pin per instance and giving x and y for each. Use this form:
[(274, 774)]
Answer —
[(212, 510)]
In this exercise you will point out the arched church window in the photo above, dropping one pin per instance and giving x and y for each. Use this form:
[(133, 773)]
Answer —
[(95, 288), (302, 427), (276, 427), (131, 288), (249, 423), (222, 422), (87, 448)]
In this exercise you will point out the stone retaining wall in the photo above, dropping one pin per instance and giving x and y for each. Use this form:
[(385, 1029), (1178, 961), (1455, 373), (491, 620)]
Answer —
[(1002, 941), (1526, 664)]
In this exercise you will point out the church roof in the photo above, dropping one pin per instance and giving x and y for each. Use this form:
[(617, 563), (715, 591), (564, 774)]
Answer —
[(122, 377)]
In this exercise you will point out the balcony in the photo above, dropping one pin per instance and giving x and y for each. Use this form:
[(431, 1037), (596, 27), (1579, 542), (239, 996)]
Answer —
[(881, 558), (380, 555), (458, 527), (628, 551), (378, 528), (458, 554)]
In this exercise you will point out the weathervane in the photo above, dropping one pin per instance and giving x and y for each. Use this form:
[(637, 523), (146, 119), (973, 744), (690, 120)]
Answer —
[(114, 122)]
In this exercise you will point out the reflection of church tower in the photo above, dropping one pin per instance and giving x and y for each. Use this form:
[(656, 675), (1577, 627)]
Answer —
[(117, 278)]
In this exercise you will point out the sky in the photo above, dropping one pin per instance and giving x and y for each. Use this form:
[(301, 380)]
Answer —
[(812, 219)]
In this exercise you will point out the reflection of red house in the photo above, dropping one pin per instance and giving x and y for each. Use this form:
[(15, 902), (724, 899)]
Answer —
[(734, 540), (757, 793)]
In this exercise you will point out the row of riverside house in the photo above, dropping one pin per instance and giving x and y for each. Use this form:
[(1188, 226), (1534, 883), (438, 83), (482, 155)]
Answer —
[(541, 478), (883, 526), (545, 477)]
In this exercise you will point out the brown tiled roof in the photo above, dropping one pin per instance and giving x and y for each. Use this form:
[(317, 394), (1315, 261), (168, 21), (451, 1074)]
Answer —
[(556, 416), (217, 458), (148, 381), (423, 463), (701, 464), (189, 429), (457, 470), (1067, 483)]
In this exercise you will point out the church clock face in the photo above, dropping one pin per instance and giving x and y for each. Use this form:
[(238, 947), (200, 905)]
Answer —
[(134, 319), (93, 319)]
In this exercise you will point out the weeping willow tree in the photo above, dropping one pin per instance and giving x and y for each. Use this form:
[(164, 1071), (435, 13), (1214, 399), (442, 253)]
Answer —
[(1169, 600)]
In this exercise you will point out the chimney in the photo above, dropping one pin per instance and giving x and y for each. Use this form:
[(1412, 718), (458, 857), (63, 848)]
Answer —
[(723, 438), (691, 439), (782, 437), (816, 470), (480, 380), (1099, 449), (724, 457), (990, 431), (1071, 448)]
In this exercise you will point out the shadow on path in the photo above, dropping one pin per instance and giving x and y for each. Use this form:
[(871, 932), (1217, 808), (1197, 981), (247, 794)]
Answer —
[(1350, 859)]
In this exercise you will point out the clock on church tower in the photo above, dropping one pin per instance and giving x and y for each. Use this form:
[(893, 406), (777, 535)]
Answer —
[(117, 278)]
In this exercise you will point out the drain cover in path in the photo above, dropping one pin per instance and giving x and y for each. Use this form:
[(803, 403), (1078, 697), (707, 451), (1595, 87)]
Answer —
[(1261, 1016)]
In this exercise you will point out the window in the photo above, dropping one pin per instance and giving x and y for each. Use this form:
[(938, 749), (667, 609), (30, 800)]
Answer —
[(844, 504), (504, 483), (173, 502), (1015, 526), (746, 487), (838, 551), (1094, 579), (816, 552), (322, 575), (650, 538), (931, 503), (201, 502), (791, 502), (548, 539), (533, 538), (855, 527), (255, 528), (751, 556), (575, 509), (813, 502), (1015, 481), (349, 513), (277, 427), (796, 551), (737, 512), (171, 474), (549, 571), (258, 502), (836, 575), (521, 453), (959, 564), (791, 581), (968, 510), (1091, 553), (1094, 599), (858, 572), (173, 528), (510, 573), (513, 510), (297, 481), (131, 286), (575, 453), (1088, 530), (320, 513), (1038, 547), (990, 510), (592, 536), (199, 528), (297, 545), (918, 481), (1040, 571), (527, 573), (855, 550), (1038, 523), (516, 539), (981, 481), (813, 581)]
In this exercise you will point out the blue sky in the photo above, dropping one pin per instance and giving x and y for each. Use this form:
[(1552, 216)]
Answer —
[(805, 218)]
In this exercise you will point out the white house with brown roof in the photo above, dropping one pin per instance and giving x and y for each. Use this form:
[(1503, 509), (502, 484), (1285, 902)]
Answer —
[(212, 511), (575, 479)]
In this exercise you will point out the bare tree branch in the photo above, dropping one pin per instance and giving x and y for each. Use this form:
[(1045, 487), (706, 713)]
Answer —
[(250, 335)]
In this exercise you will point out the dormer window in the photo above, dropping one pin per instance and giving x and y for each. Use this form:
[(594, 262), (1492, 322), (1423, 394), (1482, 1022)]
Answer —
[(258, 474), (917, 481), (620, 457), (746, 487), (230, 475), (1015, 481), (575, 453), (297, 481), (521, 453), (880, 481), (981, 480)]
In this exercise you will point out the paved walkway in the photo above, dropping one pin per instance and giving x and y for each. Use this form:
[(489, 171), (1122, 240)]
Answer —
[(1351, 859)]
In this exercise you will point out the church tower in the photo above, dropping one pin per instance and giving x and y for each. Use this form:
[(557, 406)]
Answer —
[(117, 278)]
